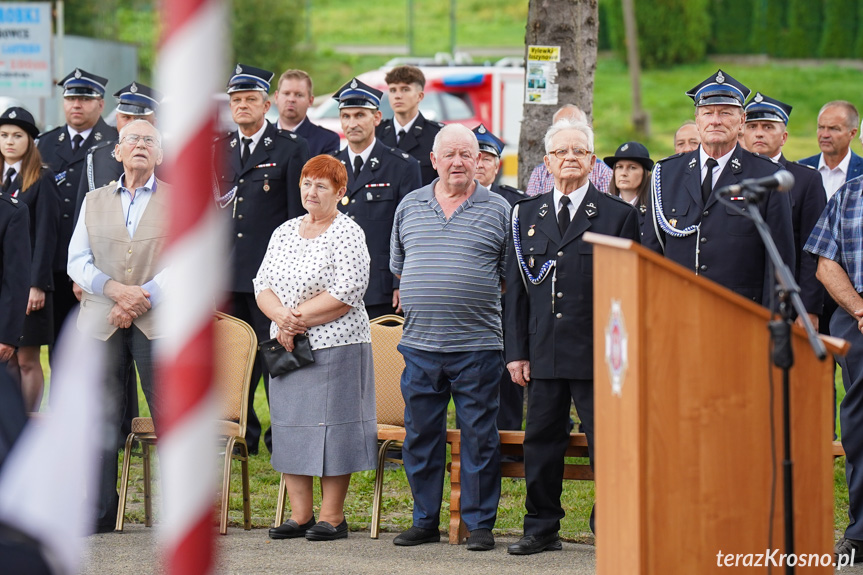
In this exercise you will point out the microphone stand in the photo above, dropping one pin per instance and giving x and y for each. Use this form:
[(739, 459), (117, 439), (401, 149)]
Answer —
[(788, 293)]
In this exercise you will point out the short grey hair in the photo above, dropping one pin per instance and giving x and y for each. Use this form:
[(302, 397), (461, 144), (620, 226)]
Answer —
[(455, 131), (563, 125), (139, 122), (852, 116)]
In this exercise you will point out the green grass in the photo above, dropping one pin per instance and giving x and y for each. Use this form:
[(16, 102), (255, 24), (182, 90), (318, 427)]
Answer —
[(577, 497)]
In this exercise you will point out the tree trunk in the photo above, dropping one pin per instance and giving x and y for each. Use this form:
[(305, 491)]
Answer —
[(573, 25)]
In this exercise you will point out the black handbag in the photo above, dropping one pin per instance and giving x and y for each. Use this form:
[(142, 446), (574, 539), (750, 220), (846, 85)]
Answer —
[(280, 361)]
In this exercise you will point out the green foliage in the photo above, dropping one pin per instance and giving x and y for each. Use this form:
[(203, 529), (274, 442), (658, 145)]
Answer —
[(669, 31), (840, 22), (732, 26), (266, 33), (804, 28), (604, 35), (858, 46)]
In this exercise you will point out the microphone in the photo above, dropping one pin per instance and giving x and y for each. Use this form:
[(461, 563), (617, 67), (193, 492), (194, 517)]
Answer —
[(783, 180)]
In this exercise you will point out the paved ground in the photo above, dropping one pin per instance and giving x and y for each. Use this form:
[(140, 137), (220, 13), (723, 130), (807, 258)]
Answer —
[(252, 552)]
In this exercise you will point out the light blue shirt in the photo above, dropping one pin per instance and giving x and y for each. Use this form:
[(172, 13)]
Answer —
[(80, 265)]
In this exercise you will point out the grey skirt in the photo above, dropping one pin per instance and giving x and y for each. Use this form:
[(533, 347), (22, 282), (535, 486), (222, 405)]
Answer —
[(323, 415)]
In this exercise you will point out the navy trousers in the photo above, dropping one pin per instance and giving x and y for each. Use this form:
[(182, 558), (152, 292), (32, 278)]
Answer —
[(472, 380), (546, 437), (844, 326)]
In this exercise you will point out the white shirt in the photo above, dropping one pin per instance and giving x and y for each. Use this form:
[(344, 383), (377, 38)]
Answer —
[(833, 179), (717, 169), (297, 269), (575, 199), (256, 137), (85, 134), (16, 166), (80, 265), (364, 155), (407, 127)]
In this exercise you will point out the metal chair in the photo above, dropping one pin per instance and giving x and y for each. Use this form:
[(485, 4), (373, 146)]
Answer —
[(234, 348)]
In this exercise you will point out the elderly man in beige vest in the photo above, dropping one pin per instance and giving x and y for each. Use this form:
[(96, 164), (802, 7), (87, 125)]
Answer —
[(114, 257)]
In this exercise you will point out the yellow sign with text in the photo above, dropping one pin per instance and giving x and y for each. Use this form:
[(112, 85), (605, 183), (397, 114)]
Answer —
[(543, 53)]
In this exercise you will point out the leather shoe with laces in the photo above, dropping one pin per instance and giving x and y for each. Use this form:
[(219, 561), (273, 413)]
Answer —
[(417, 536), (290, 529), (851, 548), (480, 540), (324, 531), (530, 544)]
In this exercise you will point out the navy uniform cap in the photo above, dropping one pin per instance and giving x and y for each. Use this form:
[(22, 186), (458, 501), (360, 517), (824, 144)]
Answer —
[(22, 118), (488, 142), (82, 84), (249, 78), (765, 109), (137, 100), (356, 94), (720, 88)]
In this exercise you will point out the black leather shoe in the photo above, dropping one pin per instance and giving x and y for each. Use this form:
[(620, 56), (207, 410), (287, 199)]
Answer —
[(290, 529), (417, 536), (846, 549), (323, 531), (530, 544), (480, 540)]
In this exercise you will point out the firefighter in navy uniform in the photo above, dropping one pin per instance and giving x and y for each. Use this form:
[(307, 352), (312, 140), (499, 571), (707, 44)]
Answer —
[(134, 102), (511, 412), (14, 274), (408, 130), (378, 178), (64, 150), (687, 223), (258, 180)]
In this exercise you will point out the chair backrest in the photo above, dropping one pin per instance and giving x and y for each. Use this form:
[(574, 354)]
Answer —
[(389, 365), (234, 347)]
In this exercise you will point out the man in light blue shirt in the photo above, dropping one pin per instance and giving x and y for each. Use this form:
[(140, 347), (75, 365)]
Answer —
[(114, 257)]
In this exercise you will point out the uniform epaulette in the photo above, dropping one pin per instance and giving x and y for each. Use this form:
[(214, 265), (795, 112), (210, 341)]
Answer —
[(671, 157), (512, 190), (529, 198), (763, 157), (435, 123), (287, 134), (804, 165), (9, 199), (619, 199), (43, 134), (404, 156), (95, 147)]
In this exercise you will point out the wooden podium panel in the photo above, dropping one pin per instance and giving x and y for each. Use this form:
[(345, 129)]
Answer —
[(683, 459)]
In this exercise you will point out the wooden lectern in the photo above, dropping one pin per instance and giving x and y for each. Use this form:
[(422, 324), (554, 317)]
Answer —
[(686, 463)]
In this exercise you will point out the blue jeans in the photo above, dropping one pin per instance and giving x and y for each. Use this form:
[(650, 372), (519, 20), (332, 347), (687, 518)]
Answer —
[(472, 379)]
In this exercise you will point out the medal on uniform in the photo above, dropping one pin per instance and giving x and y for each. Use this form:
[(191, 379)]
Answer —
[(345, 200), (530, 260), (673, 222), (266, 185), (530, 232)]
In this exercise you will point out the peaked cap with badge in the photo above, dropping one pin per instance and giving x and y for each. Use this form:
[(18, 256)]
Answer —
[(137, 99), (83, 84), (487, 141), (720, 88), (357, 94), (248, 78), (766, 109)]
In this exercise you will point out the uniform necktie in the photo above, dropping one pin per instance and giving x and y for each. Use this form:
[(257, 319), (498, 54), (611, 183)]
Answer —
[(247, 150), (707, 184), (400, 137), (563, 217), (7, 183), (77, 140), (358, 165)]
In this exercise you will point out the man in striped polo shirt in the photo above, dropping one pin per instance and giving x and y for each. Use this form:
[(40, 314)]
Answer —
[(448, 246)]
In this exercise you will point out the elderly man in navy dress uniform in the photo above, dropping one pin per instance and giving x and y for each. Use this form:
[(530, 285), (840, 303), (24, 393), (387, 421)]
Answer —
[(549, 318), (378, 178), (64, 150), (258, 186), (408, 129), (688, 224)]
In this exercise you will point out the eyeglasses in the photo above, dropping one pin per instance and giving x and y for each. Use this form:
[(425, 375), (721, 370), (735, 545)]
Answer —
[(579, 153), (133, 140)]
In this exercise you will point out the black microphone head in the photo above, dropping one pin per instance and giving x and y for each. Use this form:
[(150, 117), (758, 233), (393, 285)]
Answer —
[(784, 180)]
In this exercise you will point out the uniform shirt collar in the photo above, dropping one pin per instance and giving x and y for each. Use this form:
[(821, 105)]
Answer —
[(575, 198), (16, 165), (407, 127), (720, 163), (364, 154), (72, 132)]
